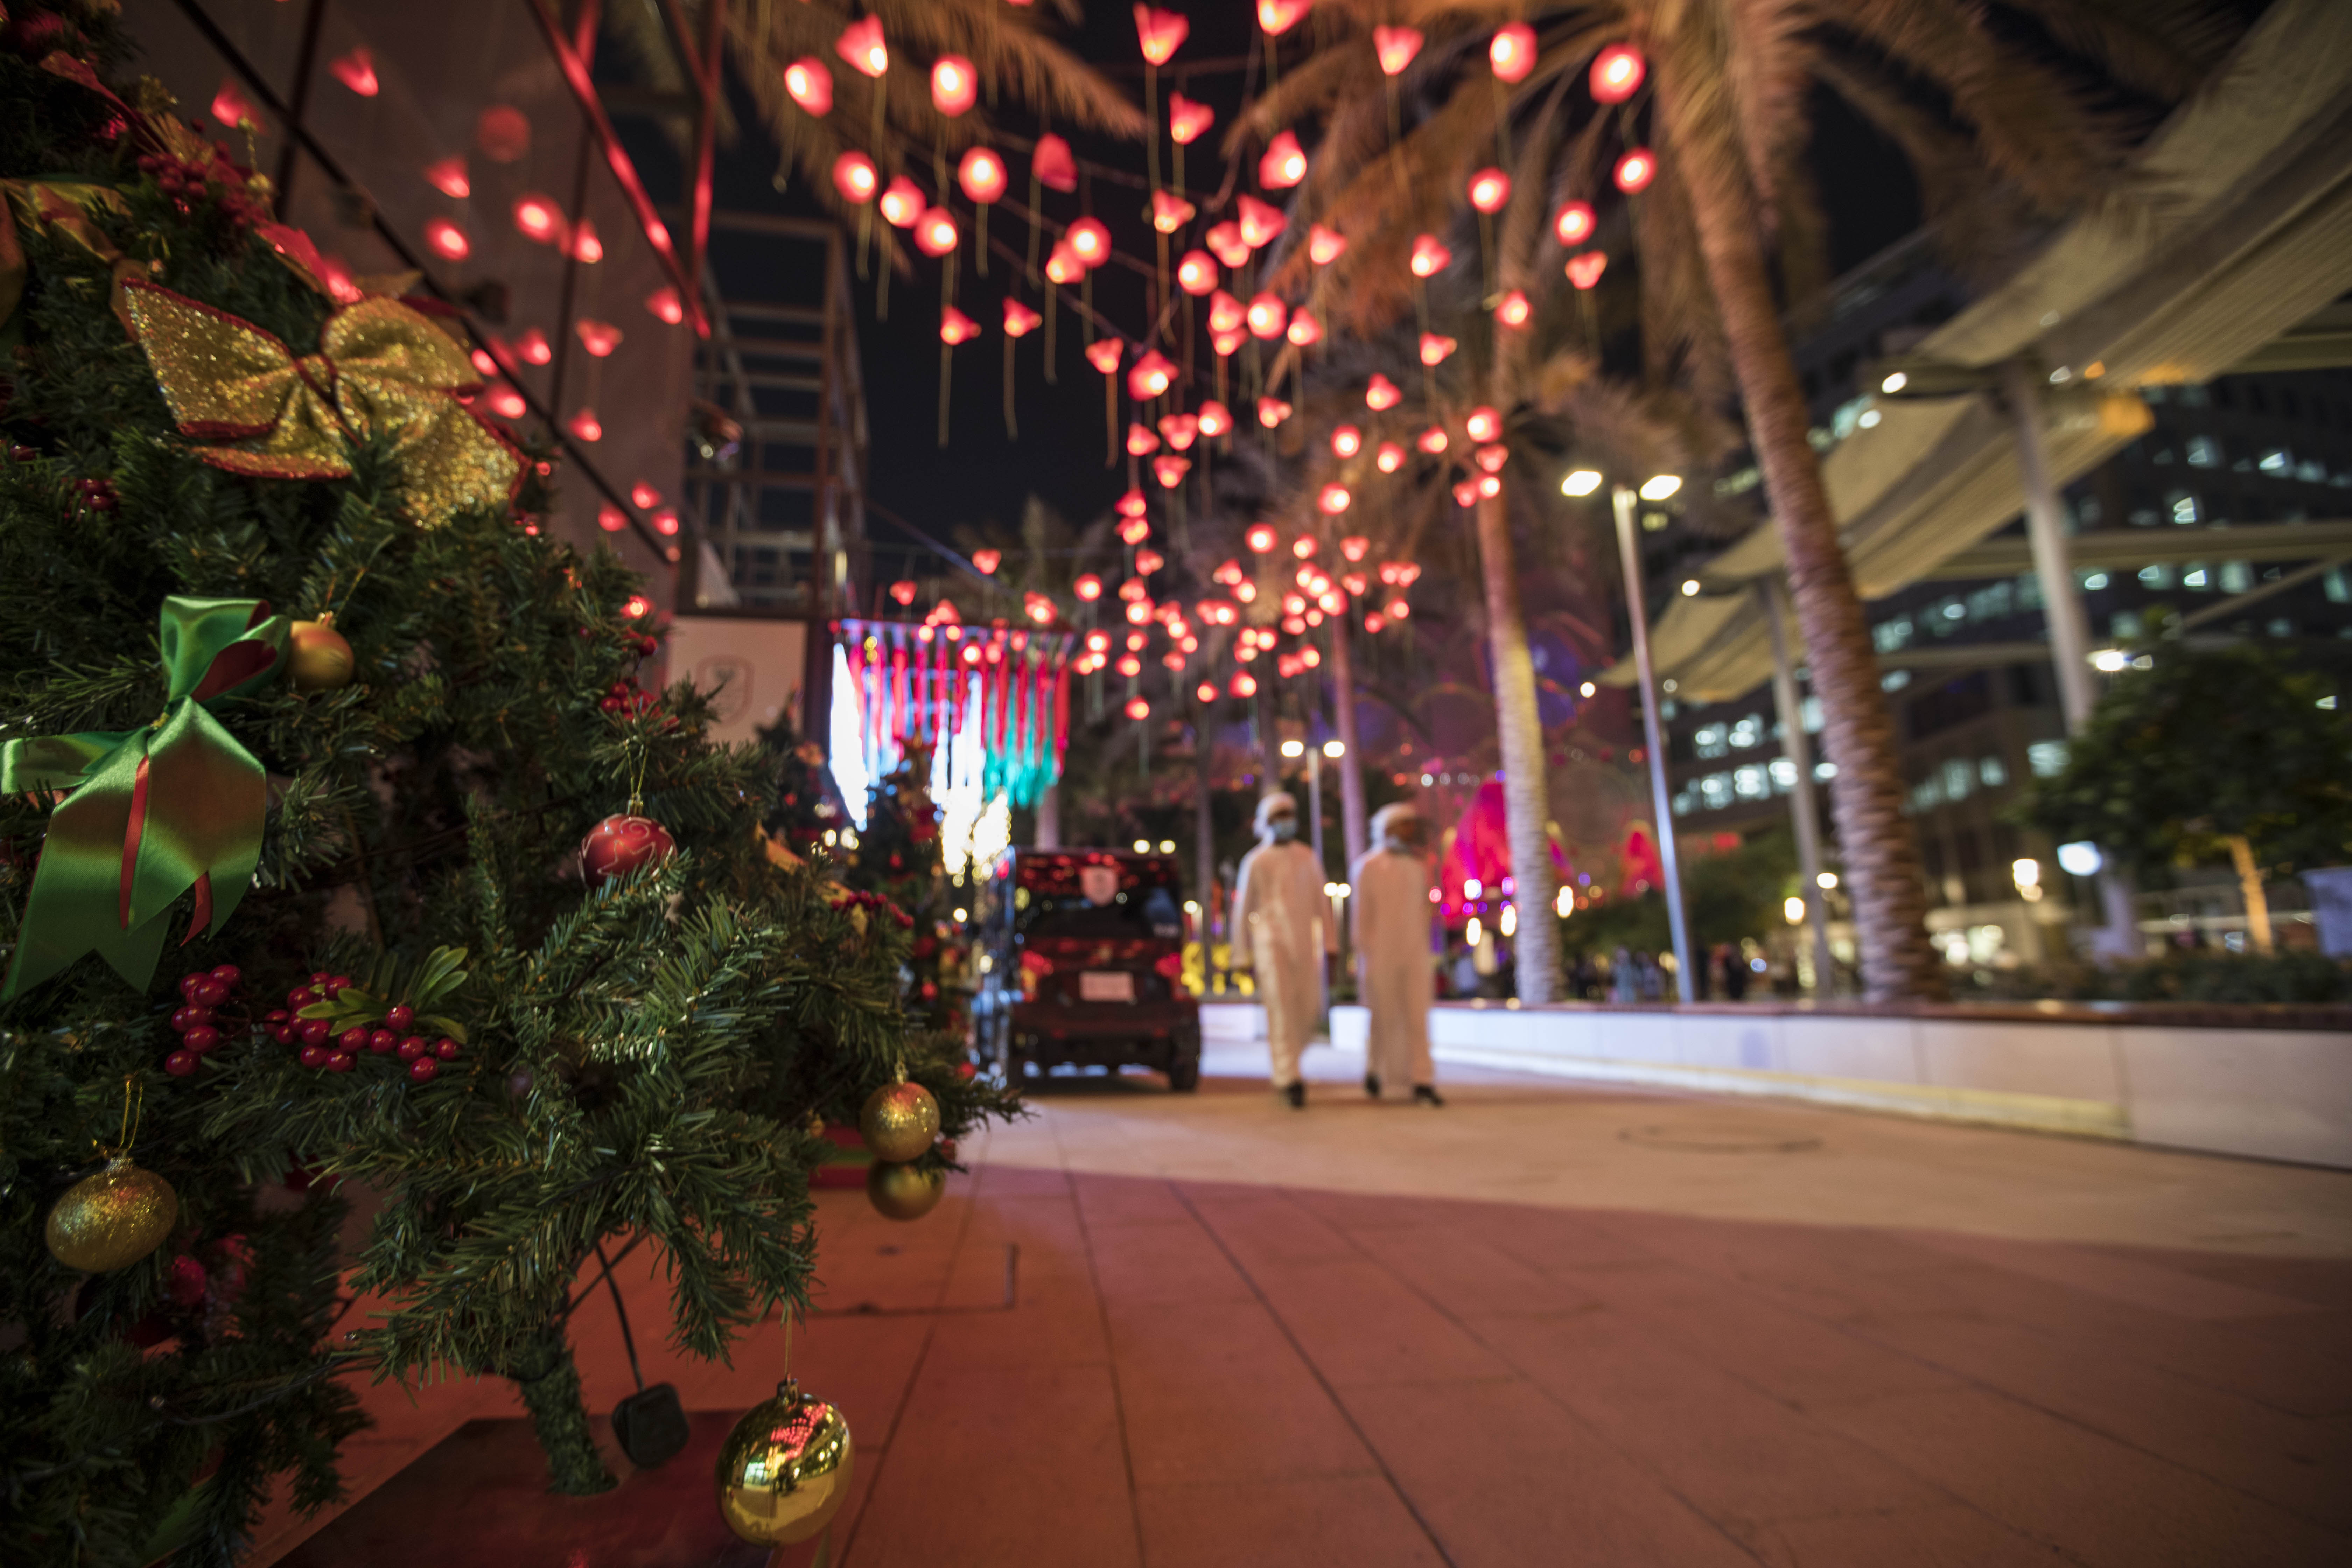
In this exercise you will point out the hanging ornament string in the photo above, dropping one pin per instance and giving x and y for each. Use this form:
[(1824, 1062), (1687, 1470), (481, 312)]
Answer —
[(134, 1107)]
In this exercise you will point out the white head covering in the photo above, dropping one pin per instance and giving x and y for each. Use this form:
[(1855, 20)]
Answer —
[(1396, 813), (1279, 800)]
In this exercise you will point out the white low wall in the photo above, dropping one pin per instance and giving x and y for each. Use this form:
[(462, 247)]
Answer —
[(2265, 1091)]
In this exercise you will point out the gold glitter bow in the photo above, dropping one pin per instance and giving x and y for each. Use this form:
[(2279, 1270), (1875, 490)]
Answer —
[(382, 368), (66, 209)]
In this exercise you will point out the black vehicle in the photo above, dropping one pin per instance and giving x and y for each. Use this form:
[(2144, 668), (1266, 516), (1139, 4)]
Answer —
[(1081, 961)]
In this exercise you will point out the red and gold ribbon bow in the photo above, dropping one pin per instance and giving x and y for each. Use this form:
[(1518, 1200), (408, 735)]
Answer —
[(381, 369)]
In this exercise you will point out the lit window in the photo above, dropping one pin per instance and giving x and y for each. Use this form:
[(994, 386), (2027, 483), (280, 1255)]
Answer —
[(2237, 576), (1810, 710), (1959, 780), (1895, 680), (2159, 575), (1708, 741), (2339, 587), (1784, 776), (1750, 783), (2311, 473), (2184, 506), (1888, 636), (1715, 791), (1682, 808), (1824, 771), (1992, 772), (1928, 792), (2277, 460), (1953, 610), (2046, 759), (1748, 734), (2196, 576), (2125, 625), (2094, 580), (2204, 452)]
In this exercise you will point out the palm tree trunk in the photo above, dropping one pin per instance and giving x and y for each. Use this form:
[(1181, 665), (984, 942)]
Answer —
[(1527, 803), (1882, 861), (1343, 718)]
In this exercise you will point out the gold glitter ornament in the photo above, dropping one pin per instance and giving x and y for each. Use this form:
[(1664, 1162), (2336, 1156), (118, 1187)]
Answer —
[(904, 1192), (318, 659), (900, 1122), (112, 1219), (784, 1471)]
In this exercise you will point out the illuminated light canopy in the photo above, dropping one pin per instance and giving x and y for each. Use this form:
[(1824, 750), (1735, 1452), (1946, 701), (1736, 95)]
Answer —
[(1216, 419), (1020, 320), (1389, 458), (1267, 316), (1490, 190), (1304, 330), (1161, 32), (861, 45), (1396, 47), (585, 425), (537, 217), (1260, 223), (1188, 122), (599, 338), (855, 176), (1089, 241), (1429, 257), (1152, 375), (1635, 170), (1225, 242), (955, 327), (1054, 165), (1285, 162), (902, 202), (1512, 51), (1271, 411), (1333, 500), (1483, 424), (1617, 73), (1433, 440), (935, 231), (1170, 469), (1141, 441), (1278, 16), (446, 240), (1180, 430), (986, 561), (1585, 271), (1169, 212), (1103, 354), (1261, 537), (810, 85), (982, 174), (1347, 441), (1089, 587), (448, 176), (1435, 349), (1196, 273), (1380, 394), (1325, 245)]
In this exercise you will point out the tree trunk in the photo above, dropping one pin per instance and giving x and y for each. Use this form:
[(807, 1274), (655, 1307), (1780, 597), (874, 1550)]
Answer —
[(1048, 834), (544, 1370), (1882, 861), (1527, 804), (1343, 719), (2249, 884)]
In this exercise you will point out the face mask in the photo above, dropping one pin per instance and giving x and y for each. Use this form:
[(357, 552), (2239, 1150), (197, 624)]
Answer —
[(1285, 829), (1401, 846)]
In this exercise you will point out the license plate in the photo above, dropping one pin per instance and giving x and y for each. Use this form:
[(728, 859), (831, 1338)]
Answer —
[(1105, 985)]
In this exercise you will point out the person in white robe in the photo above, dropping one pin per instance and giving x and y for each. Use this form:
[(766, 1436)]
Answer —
[(1388, 916), (1281, 930)]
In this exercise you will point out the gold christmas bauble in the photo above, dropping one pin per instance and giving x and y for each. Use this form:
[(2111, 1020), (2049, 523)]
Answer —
[(784, 1471), (905, 1192), (900, 1122), (112, 1219), (318, 659)]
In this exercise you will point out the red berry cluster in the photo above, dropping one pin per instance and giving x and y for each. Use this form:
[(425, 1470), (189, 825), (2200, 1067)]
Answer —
[(324, 1050), (197, 1023), (188, 184), (849, 899), (96, 494)]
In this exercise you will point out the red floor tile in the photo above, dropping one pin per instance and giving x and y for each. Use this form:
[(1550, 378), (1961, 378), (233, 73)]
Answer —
[(1340, 1522)]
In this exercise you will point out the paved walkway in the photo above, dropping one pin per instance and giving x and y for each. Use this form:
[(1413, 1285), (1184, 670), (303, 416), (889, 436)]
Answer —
[(1551, 1326)]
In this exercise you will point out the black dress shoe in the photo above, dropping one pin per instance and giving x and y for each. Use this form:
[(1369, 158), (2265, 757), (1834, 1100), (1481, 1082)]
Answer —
[(1296, 1095), (1424, 1093), (1372, 1084)]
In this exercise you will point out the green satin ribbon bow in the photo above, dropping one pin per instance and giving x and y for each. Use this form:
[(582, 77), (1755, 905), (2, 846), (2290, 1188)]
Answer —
[(156, 811)]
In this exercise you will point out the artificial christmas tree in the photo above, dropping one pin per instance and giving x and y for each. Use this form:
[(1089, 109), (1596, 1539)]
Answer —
[(899, 856), (213, 446)]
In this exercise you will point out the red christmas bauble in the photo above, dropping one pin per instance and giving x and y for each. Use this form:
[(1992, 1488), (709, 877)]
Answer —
[(622, 843)]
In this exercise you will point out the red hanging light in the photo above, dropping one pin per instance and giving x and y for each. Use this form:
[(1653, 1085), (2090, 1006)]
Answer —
[(903, 591), (1303, 546), (1435, 349), (644, 497), (1020, 320), (1355, 547), (1159, 33), (1205, 692), (902, 202), (1062, 266), (1284, 164), (1132, 506), (1271, 411), (955, 327), (1433, 440), (1170, 470), (1429, 257), (1169, 212), (1089, 241), (985, 562), (446, 240), (1141, 441), (1151, 375), (1396, 46), (1465, 493), (666, 305), (1492, 458), (1389, 458), (1243, 684), (810, 85), (1260, 223), (1303, 330), (356, 70), (1585, 271), (1512, 51), (585, 246), (1136, 529), (585, 425), (1573, 223), (1617, 73), (955, 85), (1382, 394), (506, 402), (1333, 500), (1054, 165), (1490, 190), (1261, 537), (861, 45), (1635, 170), (1103, 354), (1196, 272), (1278, 16), (537, 217), (448, 176), (982, 174), (1216, 419), (611, 518), (1228, 344), (935, 231), (1188, 122), (1225, 241), (1483, 424), (1325, 245), (1180, 430), (1346, 442), (1087, 588), (1267, 316), (1489, 485), (855, 176), (1513, 309), (531, 347)]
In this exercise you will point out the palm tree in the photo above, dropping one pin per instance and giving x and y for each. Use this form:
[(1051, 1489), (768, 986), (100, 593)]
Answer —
[(2022, 112)]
